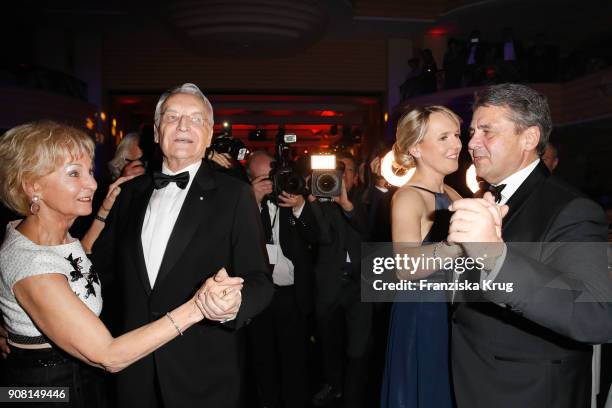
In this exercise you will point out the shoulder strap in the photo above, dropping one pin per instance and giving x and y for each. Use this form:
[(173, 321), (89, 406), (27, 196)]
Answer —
[(424, 189)]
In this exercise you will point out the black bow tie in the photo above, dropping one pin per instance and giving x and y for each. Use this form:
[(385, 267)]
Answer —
[(496, 191), (267, 199), (161, 180)]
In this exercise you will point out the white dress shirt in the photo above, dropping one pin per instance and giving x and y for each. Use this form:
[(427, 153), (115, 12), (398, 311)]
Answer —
[(512, 182), (283, 272), (162, 211)]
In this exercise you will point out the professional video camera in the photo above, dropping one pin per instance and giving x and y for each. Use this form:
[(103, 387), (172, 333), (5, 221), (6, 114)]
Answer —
[(283, 174), (326, 181)]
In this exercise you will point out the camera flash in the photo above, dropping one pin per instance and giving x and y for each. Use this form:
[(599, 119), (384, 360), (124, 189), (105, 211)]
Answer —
[(322, 162)]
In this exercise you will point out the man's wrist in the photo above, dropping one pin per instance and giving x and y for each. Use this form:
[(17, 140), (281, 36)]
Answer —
[(444, 250), (347, 206), (297, 210), (488, 253)]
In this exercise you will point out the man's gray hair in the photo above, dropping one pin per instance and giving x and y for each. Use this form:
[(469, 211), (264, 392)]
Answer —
[(186, 88), (527, 108)]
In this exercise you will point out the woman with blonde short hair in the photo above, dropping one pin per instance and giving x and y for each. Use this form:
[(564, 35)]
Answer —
[(50, 294)]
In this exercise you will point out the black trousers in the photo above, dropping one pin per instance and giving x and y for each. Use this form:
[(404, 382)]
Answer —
[(344, 330), (54, 368), (278, 343)]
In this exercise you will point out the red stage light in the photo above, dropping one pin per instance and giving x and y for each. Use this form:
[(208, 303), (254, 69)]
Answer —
[(128, 101), (437, 31)]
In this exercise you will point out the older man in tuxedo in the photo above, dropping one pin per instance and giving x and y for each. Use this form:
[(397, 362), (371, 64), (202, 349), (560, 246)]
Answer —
[(528, 347), (166, 234)]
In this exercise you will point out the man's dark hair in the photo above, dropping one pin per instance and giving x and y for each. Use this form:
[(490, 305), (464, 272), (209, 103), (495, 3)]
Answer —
[(527, 108)]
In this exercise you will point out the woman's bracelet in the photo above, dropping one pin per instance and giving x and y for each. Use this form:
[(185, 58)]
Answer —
[(174, 323), (100, 218)]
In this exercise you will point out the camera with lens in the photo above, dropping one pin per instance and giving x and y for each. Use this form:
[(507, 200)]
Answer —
[(326, 180), (225, 143), (283, 174)]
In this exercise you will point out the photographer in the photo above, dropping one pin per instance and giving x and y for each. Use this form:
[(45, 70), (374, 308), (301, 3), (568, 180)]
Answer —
[(128, 159), (279, 335), (224, 155), (340, 312)]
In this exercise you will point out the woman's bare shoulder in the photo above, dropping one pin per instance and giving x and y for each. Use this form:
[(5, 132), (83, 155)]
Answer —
[(409, 197), (452, 194)]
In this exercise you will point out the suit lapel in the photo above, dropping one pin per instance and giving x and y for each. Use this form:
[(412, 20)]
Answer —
[(139, 209), (520, 197), (195, 209)]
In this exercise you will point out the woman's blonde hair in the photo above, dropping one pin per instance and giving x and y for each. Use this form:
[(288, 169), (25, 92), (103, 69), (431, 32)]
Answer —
[(411, 129), (33, 150)]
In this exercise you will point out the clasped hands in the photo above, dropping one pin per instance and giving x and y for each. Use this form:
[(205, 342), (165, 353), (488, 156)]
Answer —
[(220, 297), (476, 225)]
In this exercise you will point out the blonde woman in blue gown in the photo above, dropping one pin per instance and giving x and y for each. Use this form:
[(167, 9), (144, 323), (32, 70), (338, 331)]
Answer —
[(417, 371)]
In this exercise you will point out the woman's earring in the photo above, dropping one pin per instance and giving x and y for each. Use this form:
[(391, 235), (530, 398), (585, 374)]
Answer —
[(34, 204)]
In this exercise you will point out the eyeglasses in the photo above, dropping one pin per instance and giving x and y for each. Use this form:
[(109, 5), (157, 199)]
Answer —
[(195, 119)]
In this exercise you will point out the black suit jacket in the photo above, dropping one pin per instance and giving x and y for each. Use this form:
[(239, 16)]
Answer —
[(379, 214), (297, 235), (532, 352), (218, 226), (339, 232)]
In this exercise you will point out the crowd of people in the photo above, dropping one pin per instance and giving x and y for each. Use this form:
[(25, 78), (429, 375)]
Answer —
[(479, 61), (222, 290)]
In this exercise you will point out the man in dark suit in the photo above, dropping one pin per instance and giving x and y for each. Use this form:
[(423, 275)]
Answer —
[(377, 199), (165, 235), (344, 322), (528, 347), (279, 335)]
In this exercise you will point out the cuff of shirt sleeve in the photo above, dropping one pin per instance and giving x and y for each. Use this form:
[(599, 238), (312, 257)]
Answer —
[(230, 319), (492, 275), (298, 211), (348, 214)]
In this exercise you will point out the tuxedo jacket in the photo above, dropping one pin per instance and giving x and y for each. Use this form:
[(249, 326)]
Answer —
[(529, 347), (297, 236), (339, 233), (218, 226)]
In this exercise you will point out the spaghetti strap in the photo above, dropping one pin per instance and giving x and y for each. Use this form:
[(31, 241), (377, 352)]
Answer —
[(424, 189)]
